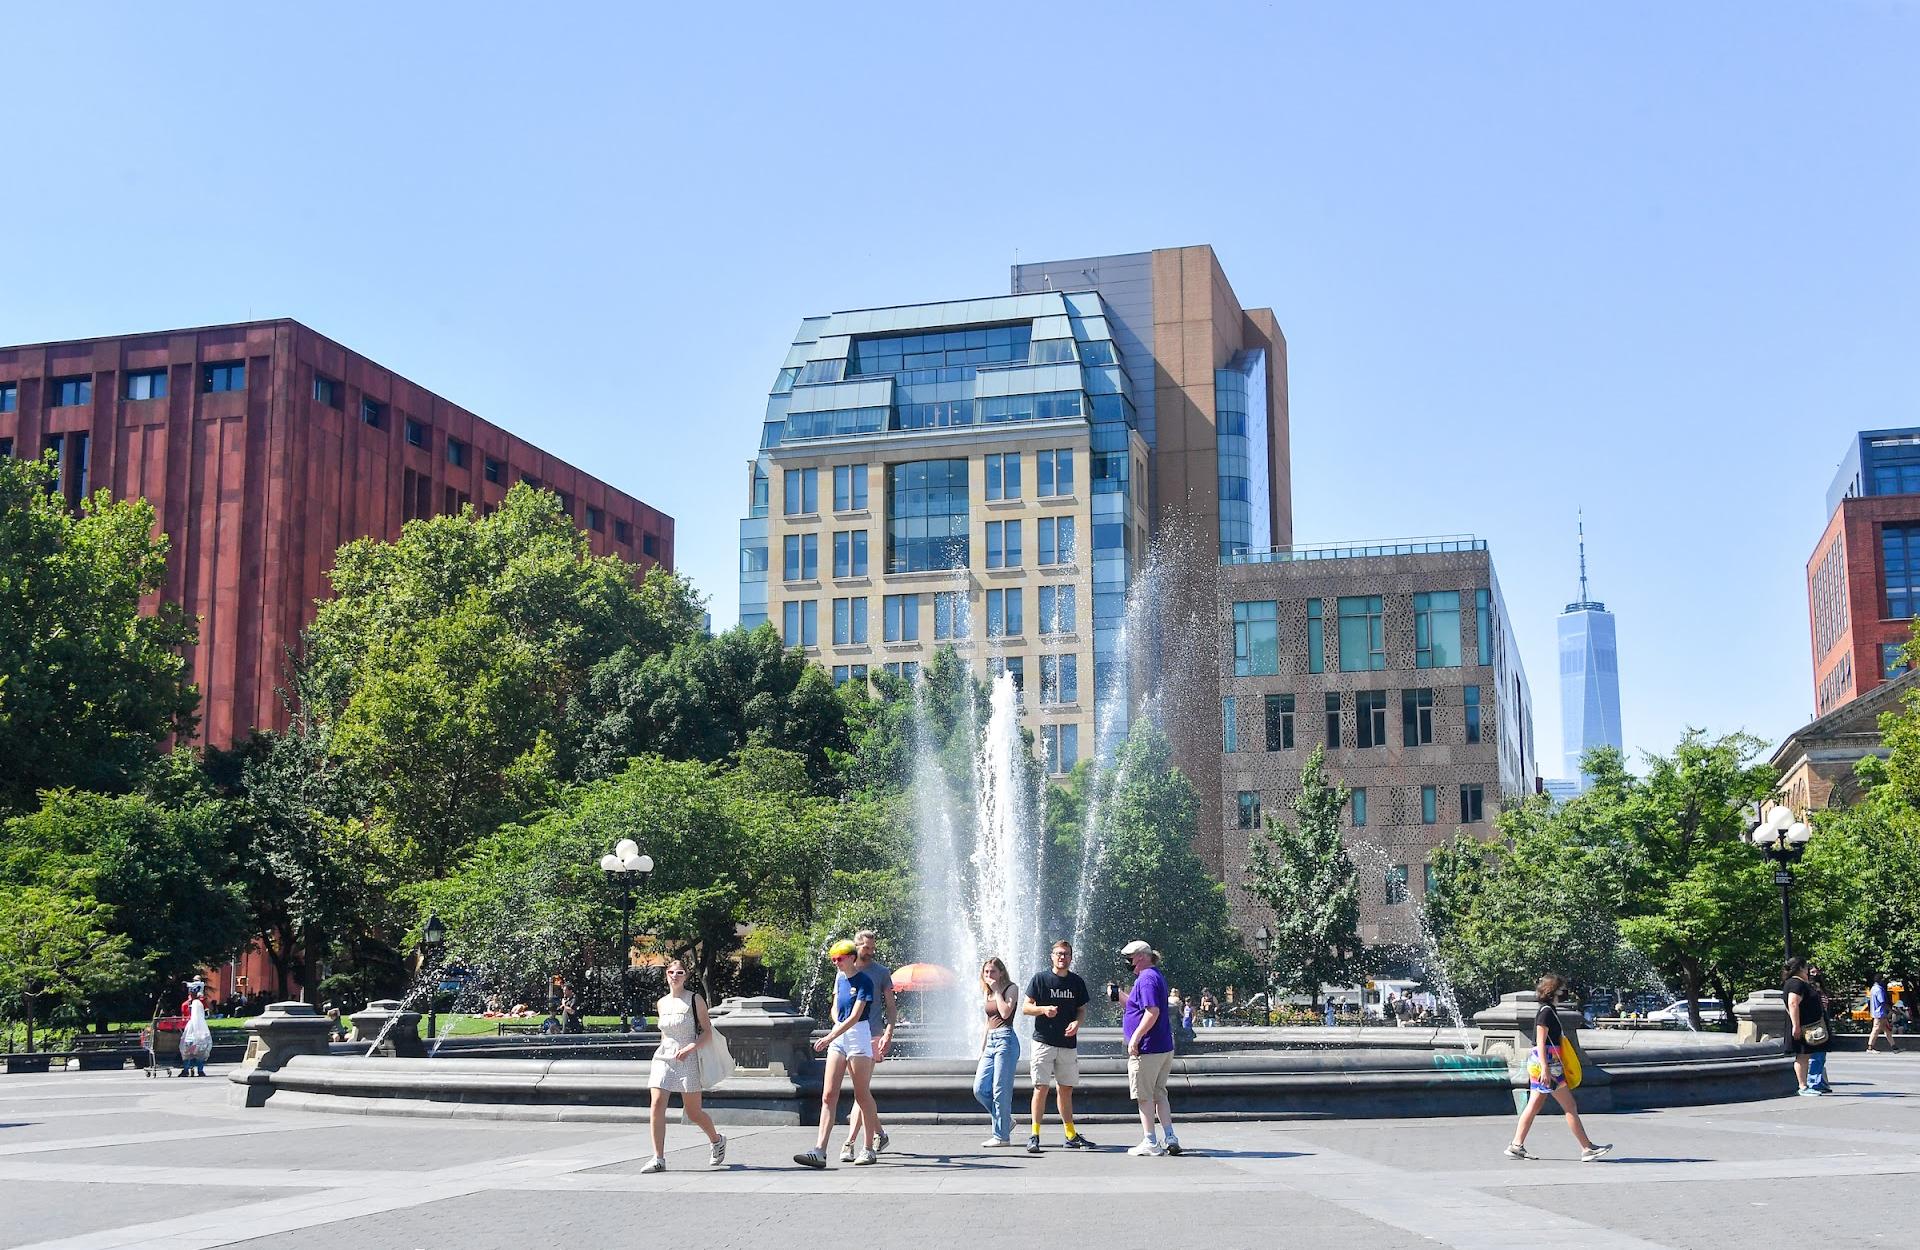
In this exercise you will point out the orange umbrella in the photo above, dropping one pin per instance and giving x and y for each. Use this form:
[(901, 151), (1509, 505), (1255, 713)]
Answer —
[(921, 977)]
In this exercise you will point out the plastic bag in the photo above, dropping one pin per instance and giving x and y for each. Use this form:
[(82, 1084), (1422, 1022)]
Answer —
[(196, 1040)]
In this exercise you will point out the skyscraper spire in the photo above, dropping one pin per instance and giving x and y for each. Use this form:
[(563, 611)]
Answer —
[(1582, 516)]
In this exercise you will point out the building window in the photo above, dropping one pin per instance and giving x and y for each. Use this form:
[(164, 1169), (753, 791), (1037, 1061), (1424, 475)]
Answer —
[(374, 414), (72, 464), (1014, 666), (596, 520), (850, 621), (1316, 638), (456, 453), (1053, 472), (801, 554), (1229, 731), (1900, 567), (1256, 639), (906, 670), (9, 396), (623, 534), (1436, 629), (1363, 644), (1333, 722), (1249, 810), (1056, 540), (566, 506), (1279, 708), (1003, 475), (1370, 716), (1416, 717), (650, 545), (492, 470), (901, 618), (850, 553), (1360, 807), (1059, 679), (1397, 884), (849, 487), (1062, 747), (1004, 614), (1003, 544), (1483, 623), (753, 559), (147, 384), (327, 391), (6, 447), (228, 377), (1472, 805), (927, 516), (759, 505), (1429, 804), (1893, 659), (952, 615), (802, 622), (71, 392), (1470, 697), (417, 434), (1058, 610), (801, 496)]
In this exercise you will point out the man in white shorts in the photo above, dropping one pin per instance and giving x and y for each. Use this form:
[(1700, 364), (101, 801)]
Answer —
[(1056, 999)]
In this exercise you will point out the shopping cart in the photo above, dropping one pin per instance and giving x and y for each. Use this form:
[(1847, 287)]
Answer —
[(162, 1040)]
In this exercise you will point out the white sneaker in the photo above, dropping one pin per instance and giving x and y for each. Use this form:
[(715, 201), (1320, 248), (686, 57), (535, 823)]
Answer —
[(1173, 1144), (655, 1164), (866, 1158), (717, 1153), (1148, 1149), (846, 1151), (994, 1143)]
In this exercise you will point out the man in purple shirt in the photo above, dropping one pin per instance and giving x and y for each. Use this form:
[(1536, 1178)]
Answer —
[(1149, 1033)]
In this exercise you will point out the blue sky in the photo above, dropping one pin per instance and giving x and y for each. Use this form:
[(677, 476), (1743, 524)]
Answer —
[(1655, 261)]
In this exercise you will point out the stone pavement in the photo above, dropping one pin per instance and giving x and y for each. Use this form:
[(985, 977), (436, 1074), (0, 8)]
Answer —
[(96, 1160)]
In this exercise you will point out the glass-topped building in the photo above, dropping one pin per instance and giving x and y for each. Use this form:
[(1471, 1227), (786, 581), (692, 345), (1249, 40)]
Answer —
[(988, 474), (1589, 678)]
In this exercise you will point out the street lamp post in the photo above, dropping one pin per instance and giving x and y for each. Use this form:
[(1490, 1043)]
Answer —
[(1784, 840), (1264, 936), (626, 866), (433, 945)]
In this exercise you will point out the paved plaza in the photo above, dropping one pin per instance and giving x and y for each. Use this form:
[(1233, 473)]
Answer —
[(100, 1160)]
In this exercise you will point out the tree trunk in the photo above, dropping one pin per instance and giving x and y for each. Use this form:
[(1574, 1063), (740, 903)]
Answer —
[(28, 1000), (1691, 972)]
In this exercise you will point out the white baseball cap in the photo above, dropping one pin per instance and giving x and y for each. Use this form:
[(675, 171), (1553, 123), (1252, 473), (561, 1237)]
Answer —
[(1135, 947)]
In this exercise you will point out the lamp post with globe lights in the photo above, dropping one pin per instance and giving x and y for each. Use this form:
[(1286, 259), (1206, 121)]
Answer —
[(433, 949), (627, 867), (1784, 840)]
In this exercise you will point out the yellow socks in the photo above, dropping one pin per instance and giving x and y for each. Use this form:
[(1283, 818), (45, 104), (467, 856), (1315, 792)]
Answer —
[(1071, 1131)]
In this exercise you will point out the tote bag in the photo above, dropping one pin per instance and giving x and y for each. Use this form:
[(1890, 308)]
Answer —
[(716, 1058), (1570, 1063)]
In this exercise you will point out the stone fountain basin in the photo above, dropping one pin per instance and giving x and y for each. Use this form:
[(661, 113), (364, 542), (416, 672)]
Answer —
[(1230, 1074)]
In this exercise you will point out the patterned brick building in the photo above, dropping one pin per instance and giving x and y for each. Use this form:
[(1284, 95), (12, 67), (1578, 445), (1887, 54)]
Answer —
[(263, 447)]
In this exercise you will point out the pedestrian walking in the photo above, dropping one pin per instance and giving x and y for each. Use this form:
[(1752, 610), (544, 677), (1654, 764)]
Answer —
[(1880, 1010), (1149, 1033), (1546, 1076), (1057, 1000), (685, 1028), (196, 1038), (1807, 1017), (999, 1050), (848, 1047), (885, 1013)]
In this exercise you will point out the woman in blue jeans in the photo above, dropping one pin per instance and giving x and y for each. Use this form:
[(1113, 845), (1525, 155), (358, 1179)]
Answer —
[(999, 1050)]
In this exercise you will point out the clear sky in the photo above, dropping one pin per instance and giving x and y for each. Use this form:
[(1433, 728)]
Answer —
[(1654, 260)]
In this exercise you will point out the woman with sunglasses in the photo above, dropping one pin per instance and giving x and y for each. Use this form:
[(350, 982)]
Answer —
[(684, 1028), (849, 1050)]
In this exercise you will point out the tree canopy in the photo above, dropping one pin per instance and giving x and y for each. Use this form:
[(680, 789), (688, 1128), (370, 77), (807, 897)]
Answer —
[(1305, 879)]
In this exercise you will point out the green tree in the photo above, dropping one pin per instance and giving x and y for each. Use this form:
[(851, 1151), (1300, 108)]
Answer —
[(453, 665), (710, 697), (1305, 878), (59, 948), (163, 876), (1148, 882), (89, 683)]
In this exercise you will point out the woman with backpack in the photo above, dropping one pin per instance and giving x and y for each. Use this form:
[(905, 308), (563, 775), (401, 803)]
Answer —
[(685, 1027), (1547, 1076)]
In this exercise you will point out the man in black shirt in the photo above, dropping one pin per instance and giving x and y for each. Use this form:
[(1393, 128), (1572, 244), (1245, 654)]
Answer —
[(1056, 1000)]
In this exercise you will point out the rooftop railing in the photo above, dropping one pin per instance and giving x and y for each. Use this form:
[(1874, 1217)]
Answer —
[(1437, 545)]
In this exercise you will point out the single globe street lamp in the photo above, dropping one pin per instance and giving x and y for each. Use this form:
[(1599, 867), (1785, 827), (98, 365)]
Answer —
[(627, 867), (1784, 840), (433, 946)]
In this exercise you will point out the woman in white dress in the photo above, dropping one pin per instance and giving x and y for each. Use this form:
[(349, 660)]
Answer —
[(684, 1028)]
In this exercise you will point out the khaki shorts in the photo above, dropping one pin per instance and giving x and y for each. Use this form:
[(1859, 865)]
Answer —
[(1147, 1076), (1055, 1065)]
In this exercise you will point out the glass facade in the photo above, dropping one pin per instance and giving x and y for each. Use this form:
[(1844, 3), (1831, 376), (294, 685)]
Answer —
[(1363, 644), (1240, 437), (927, 516), (1436, 629), (1256, 638)]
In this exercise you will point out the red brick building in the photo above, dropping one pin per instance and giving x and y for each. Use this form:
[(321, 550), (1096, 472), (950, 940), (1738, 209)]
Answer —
[(1860, 599), (263, 447)]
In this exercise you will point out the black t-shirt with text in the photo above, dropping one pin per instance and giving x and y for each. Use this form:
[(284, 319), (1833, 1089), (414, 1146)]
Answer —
[(1068, 993)]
